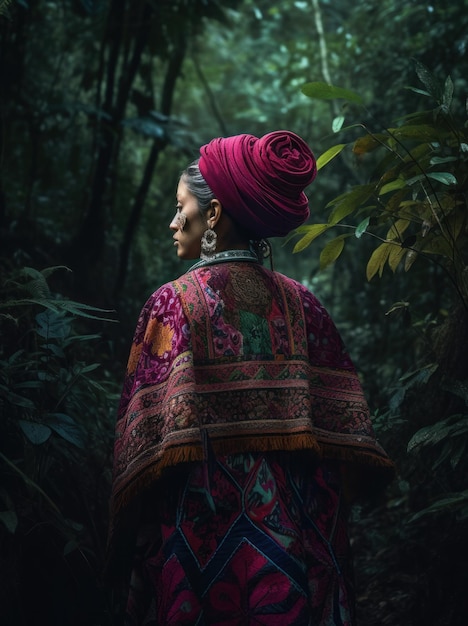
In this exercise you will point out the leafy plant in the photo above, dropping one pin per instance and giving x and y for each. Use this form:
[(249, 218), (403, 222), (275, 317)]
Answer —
[(414, 204), (55, 434)]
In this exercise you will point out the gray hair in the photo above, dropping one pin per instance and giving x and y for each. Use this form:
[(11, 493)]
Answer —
[(198, 186)]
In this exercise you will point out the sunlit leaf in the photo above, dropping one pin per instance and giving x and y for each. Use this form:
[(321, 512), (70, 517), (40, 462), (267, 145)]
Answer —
[(329, 155)]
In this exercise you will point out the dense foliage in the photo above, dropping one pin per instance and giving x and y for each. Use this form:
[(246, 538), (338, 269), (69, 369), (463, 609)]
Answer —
[(102, 103)]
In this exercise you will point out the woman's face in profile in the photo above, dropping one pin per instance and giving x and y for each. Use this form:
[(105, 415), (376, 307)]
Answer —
[(187, 224)]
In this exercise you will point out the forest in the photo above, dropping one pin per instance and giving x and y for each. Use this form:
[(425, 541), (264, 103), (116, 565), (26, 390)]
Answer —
[(102, 105)]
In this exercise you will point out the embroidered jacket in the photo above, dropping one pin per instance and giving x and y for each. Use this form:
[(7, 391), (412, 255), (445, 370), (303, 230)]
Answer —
[(246, 359)]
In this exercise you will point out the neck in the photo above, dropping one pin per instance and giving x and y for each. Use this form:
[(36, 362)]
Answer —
[(225, 256)]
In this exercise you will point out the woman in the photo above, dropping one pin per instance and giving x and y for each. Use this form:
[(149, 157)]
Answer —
[(243, 431)]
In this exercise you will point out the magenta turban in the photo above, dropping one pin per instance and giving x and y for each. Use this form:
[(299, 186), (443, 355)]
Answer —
[(261, 182)]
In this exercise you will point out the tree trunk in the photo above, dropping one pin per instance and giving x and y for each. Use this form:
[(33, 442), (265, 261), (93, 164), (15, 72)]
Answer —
[(172, 73)]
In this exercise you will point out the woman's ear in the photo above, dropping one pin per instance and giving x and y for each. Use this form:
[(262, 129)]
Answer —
[(215, 211)]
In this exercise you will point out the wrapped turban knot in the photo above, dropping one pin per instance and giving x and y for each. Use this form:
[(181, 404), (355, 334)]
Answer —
[(260, 182)]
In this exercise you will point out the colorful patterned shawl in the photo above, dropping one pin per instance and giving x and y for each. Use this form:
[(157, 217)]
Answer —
[(245, 359)]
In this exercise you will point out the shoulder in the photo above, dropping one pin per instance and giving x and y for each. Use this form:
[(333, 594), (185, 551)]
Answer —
[(162, 303), (307, 298)]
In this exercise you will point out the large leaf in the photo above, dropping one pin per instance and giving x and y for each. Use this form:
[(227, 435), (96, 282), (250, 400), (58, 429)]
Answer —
[(324, 91)]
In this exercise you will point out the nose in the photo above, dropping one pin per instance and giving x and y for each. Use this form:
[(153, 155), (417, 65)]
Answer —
[(173, 225)]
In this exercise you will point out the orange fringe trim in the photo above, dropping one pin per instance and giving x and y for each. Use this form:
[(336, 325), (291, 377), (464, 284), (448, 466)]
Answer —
[(352, 477)]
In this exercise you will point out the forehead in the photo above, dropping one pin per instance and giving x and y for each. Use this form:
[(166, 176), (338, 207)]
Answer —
[(182, 189)]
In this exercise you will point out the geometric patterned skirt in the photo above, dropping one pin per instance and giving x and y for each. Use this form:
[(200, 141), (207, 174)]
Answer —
[(247, 539)]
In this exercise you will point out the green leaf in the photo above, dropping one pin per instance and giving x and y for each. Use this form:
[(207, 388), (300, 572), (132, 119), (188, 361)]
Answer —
[(53, 325), (377, 260), (432, 435), (66, 427), (421, 132), (457, 452), (349, 201), (361, 228), (312, 232), (368, 143), (337, 123), (428, 80), (35, 432), (392, 186), (17, 400), (329, 155), (86, 368), (423, 92), (448, 503), (438, 160), (443, 177), (324, 91), (397, 229), (395, 256), (331, 251)]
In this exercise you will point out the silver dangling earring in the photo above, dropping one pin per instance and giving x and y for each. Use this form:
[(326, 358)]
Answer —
[(208, 244), (262, 248)]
